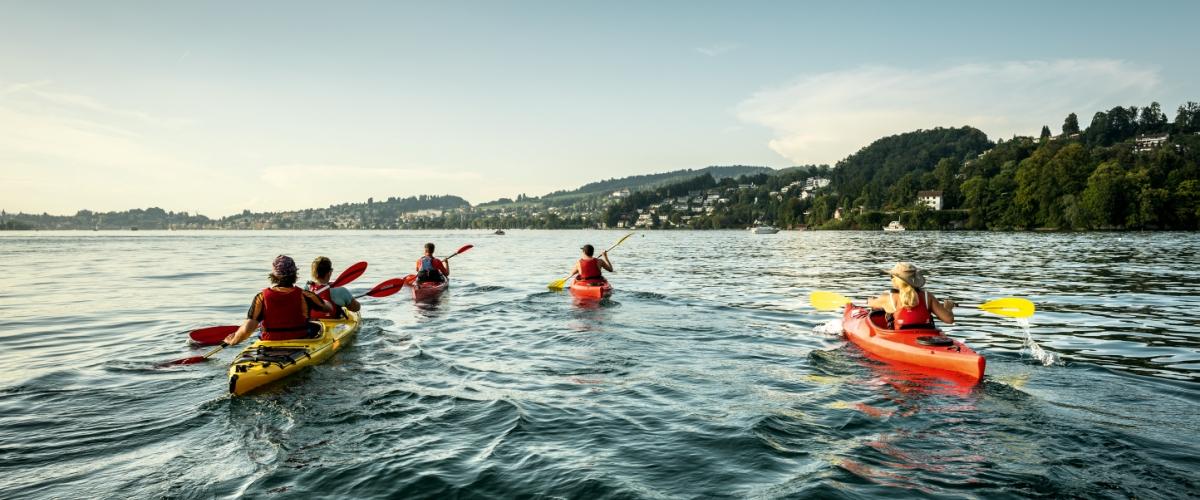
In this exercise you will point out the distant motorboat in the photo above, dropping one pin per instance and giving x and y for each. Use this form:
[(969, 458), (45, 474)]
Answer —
[(764, 230), (499, 232), (894, 226)]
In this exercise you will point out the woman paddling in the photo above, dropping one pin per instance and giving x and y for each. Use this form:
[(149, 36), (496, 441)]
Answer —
[(908, 304), (588, 268), (282, 309), (322, 269)]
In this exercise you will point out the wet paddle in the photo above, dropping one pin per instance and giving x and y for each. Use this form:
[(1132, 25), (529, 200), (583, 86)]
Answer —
[(1013, 307), (212, 335), (460, 250), (215, 334), (194, 359), (557, 285), (386, 288)]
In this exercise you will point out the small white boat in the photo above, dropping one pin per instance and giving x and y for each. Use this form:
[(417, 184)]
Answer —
[(894, 226), (764, 230)]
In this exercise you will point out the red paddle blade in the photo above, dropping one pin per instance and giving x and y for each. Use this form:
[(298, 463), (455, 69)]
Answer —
[(185, 361), (212, 335), (386, 288), (464, 248), (350, 274), (408, 280)]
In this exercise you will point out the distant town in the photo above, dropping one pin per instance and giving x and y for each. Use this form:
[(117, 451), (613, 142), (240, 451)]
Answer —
[(1130, 168)]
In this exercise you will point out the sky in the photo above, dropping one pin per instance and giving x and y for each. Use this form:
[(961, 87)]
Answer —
[(217, 107)]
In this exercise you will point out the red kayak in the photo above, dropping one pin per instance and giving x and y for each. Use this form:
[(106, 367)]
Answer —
[(926, 348), (429, 290), (597, 289)]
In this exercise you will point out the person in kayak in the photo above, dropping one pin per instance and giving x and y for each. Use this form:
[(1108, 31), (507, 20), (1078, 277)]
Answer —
[(588, 268), (908, 304), (430, 268), (322, 269), (281, 309)]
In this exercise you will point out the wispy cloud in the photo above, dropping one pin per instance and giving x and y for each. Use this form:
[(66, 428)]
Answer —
[(83, 152), (718, 49), (824, 117)]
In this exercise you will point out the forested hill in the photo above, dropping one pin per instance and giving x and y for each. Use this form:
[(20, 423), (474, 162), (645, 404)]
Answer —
[(649, 181), (1130, 168), (371, 214), (891, 170)]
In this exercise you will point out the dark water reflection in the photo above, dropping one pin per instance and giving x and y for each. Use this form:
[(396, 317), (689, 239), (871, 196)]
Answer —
[(705, 375)]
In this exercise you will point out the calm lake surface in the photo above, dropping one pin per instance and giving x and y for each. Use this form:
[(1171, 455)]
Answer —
[(705, 375)]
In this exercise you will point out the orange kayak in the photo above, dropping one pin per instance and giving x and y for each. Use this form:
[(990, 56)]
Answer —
[(429, 290), (926, 348), (591, 289)]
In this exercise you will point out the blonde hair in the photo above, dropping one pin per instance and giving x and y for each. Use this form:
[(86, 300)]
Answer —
[(908, 294), (321, 266)]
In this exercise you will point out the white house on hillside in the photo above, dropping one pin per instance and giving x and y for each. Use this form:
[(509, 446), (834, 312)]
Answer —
[(931, 199), (1147, 142)]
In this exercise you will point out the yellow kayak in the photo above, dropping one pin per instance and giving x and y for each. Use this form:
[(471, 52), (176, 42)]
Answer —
[(266, 361)]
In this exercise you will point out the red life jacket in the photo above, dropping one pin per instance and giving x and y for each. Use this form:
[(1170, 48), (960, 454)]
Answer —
[(284, 315), (325, 294), (912, 316), (589, 269)]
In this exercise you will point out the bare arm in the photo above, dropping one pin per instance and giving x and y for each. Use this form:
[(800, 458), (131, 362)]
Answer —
[(243, 332), (882, 302), (354, 305), (605, 263), (943, 310)]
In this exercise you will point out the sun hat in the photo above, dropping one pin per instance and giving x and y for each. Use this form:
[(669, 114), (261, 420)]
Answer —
[(909, 273), (283, 266)]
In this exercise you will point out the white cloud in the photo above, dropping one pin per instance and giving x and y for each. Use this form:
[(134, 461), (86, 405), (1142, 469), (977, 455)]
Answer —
[(718, 49), (824, 117)]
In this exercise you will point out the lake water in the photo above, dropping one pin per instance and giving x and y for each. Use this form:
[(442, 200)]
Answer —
[(705, 375)]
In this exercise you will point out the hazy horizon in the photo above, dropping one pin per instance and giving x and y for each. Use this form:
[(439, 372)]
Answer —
[(218, 107)]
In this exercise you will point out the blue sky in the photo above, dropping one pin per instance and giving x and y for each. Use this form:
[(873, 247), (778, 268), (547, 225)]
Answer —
[(220, 107)]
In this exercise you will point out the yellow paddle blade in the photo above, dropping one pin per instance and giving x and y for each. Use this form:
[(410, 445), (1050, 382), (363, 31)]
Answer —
[(620, 241), (1013, 307), (827, 301), (557, 285)]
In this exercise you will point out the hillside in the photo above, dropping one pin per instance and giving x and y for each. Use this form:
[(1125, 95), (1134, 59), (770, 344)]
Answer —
[(650, 181)]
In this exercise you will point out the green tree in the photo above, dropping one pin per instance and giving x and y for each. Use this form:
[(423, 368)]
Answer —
[(1152, 119), (1070, 125), (1104, 198), (1045, 132)]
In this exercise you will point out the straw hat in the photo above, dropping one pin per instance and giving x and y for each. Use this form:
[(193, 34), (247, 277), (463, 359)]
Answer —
[(909, 273)]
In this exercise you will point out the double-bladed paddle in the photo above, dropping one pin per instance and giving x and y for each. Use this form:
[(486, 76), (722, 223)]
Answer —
[(215, 334), (557, 285), (1013, 307), (460, 250), (195, 359), (387, 287)]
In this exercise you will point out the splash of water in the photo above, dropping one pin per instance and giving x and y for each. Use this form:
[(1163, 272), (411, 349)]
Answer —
[(1035, 350), (831, 328)]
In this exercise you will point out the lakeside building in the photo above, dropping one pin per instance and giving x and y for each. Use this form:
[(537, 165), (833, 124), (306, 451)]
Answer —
[(931, 199)]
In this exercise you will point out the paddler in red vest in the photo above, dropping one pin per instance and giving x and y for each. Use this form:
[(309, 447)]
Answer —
[(588, 268), (430, 268), (908, 304), (282, 309), (322, 269)]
